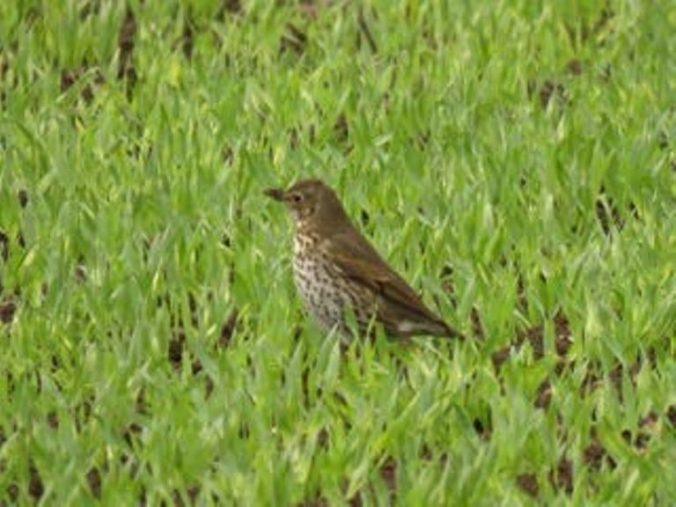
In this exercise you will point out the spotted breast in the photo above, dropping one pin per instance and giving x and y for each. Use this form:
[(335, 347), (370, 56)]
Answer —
[(325, 293)]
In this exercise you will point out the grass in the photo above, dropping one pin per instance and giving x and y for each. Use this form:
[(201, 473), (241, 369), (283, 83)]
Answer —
[(514, 160)]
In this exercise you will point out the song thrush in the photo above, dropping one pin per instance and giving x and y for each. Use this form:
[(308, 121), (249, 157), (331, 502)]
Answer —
[(336, 269)]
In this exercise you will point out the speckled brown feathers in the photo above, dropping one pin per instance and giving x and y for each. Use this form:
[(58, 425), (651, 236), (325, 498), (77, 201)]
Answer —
[(336, 269)]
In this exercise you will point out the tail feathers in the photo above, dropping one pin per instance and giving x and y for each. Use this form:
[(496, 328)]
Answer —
[(434, 328), (450, 332)]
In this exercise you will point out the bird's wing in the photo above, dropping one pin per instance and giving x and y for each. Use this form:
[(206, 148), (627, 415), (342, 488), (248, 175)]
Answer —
[(359, 261)]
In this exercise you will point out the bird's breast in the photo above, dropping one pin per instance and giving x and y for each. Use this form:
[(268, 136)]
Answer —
[(304, 244), (320, 286)]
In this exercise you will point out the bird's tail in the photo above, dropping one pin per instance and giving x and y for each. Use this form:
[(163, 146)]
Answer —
[(447, 331)]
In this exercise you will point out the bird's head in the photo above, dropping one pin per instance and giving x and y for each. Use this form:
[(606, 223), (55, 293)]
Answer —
[(311, 203)]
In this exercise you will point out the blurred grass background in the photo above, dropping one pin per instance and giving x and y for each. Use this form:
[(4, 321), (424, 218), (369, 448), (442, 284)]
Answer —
[(513, 159)]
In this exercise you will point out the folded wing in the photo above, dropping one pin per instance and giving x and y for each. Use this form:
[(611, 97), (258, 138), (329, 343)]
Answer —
[(399, 308)]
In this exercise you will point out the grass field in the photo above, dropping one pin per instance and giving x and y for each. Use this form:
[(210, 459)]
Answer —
[(514, 160)]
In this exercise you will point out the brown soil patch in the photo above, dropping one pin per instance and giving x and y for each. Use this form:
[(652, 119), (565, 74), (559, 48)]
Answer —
[(7, 310), (4, 246), (72, 77), (230, 7), (94, 482), (544, 395), (366, 31), (228, 328), (552, 90), (574, 67), (175, 351), (53, 420), (594, 455), (671, 415), (126, 40), (477, 325), (562, 477), (294, 40), (22, 195), (341, 128), (607, 214), (484, 431), (187, 38), (528, 484), (562, 334), (35, 486), (501, 356), (388, 472)]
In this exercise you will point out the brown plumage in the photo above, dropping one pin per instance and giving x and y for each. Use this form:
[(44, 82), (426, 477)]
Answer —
[(337, 270)]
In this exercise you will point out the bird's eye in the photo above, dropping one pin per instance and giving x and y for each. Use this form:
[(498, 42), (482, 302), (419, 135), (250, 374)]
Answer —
[(296, 197)]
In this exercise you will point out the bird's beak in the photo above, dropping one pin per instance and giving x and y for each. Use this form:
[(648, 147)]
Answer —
[(275, 193)]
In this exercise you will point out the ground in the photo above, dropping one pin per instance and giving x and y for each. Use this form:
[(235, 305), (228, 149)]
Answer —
[(513, 160)]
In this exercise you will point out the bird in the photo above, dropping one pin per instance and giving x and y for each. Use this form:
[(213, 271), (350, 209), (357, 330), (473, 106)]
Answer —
[(337, 272)]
